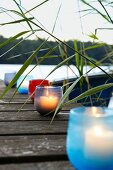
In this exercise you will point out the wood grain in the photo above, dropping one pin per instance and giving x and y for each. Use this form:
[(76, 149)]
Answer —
[(54, 165), (32, 127), (32, 148), (30, 115), (27, 140)]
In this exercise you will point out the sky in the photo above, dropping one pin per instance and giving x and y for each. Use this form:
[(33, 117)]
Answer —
[(70, 24)]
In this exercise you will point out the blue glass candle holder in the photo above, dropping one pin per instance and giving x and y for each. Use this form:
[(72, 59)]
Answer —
[(89, 142), (47, 99), (23, 84), (8, 78)]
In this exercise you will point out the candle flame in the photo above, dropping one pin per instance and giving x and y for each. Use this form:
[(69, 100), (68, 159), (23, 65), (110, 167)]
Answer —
[(94, 110), (98, 131)]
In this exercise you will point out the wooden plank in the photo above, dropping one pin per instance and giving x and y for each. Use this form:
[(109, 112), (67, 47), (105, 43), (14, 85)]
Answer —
[(15, 106), (61, 165), (16, 110), (30, 115), (34, 148), (11, 92), (18, 99), (15, 102), (29, 106), (33, 127), (27, 140)]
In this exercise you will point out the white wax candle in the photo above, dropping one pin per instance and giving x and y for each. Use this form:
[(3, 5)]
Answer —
[(48, 102), (98, 142)]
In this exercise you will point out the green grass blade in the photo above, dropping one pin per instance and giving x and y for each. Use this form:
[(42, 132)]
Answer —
[(60, 64), (94, 46), (90, 92), (13, 38), (39, 61), (17, 21), (83, 56), (77, 55), (15, 45), (19, 86), (23, 15), (23, 68), (94, 36), (36, 6), (66, 94), (104, 16)]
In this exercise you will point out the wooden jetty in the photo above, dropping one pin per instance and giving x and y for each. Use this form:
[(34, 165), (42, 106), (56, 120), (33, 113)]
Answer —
[(27, 140)]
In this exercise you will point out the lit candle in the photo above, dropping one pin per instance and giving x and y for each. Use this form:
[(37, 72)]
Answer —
[(98, 143), (46, 99), (47, 103), (90, 138)]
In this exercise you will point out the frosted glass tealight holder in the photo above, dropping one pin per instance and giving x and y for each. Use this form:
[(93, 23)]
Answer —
[(47, 99), (90, 138), (8, 78)]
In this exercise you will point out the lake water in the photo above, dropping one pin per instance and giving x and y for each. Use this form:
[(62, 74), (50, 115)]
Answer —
[(40, 72)]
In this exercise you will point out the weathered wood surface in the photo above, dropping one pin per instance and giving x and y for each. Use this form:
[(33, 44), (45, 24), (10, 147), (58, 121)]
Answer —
[(32, 147), (14, 106), (27, 140), (15, 98), (50, 165), (32, 127), (30, 115)]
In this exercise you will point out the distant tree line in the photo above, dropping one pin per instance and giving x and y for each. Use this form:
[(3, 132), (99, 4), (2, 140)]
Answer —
[(23, 50)]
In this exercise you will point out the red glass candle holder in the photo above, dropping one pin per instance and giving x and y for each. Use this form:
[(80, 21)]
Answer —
[(34, 83)]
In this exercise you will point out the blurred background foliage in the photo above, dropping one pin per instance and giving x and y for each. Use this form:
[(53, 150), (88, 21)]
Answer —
[(23, 50)]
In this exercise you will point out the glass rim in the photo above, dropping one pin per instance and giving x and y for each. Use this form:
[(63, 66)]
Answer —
[(49, 87), (35, 80), (10, 72), (86, 112)]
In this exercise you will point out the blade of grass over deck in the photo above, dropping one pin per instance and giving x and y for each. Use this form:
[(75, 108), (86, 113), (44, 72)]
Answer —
[(23, 68), (90, 92), (66, 94), (78, 54), (40, 60), (38, 63), (84, 56)]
